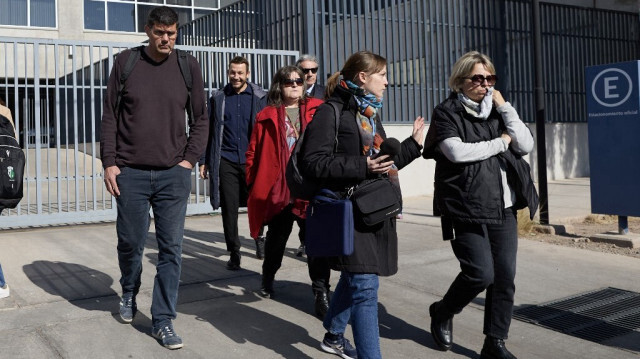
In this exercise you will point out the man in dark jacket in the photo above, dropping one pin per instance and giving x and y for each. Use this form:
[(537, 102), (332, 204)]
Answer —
[(232, 113), (309, 65)]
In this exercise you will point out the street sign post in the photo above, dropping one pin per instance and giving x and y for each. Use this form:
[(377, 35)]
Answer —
[(613, 105)]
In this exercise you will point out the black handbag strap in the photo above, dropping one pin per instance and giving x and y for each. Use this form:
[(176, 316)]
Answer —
[(336, 112)]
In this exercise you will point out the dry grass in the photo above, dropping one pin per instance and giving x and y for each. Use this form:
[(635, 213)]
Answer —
[(525, 225), (600, 219)]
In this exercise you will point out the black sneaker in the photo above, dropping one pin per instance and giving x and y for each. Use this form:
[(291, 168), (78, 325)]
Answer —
[(128, 307), (167, 336), (337, 344), (301, 251), (260, 247)]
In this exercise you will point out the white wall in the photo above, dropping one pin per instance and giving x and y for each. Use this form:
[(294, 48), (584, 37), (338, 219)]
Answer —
[(417, 178), (567, 147)]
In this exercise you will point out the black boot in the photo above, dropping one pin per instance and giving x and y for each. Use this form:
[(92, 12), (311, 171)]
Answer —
[(266, 290), (260, 247), (494, 348), (441, 326), (322, 304), (234, 261)]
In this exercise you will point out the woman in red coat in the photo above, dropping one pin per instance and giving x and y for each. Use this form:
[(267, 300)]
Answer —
[(274, 135)]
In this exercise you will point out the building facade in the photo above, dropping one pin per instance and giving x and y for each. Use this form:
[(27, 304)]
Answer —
[(55, 58), (99, 20)]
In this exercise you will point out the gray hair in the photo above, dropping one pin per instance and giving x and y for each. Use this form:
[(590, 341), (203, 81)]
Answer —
[(306, 57)]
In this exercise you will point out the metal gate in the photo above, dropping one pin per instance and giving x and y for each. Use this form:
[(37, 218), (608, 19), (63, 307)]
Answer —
[(55, 90), (421, 40)]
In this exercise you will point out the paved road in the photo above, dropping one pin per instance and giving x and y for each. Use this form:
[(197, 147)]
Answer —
[(64, 296)]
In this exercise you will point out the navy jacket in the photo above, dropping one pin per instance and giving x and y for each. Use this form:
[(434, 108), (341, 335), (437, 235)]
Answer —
[(318, 91), (216, 130)]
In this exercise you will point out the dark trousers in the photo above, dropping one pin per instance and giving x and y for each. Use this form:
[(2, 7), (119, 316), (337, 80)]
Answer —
[(166, 192), (233, 194), (487, 255), (278, 233)]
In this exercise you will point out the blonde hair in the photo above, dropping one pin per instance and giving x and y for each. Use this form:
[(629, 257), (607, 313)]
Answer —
[(463, 67), (361, 61)]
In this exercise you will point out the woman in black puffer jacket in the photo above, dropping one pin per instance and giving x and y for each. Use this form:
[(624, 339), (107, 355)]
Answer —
[(357, 91), (478, 141)]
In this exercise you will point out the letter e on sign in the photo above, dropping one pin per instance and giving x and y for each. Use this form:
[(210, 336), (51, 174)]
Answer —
[(607, 90)]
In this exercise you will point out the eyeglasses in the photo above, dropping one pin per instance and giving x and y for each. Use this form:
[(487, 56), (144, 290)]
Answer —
[(479, 79), (290, 82), (312, 70)]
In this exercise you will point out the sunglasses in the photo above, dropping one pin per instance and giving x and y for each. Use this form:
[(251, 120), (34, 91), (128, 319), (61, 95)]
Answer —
[(290, 82), (479, 79), (306, 71)]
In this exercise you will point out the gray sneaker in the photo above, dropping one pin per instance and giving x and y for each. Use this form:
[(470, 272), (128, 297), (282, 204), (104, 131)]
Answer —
[(167, 336), (338, 344), (128, 307)]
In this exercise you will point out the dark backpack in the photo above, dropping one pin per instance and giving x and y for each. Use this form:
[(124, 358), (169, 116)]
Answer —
[(299, 186), (11, 166), (134, 55)]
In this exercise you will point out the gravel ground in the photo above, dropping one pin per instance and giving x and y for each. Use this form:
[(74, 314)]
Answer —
[(581, 231)]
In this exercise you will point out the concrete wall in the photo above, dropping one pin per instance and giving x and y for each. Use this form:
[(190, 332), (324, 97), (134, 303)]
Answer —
[(567, 147), (567, 150)]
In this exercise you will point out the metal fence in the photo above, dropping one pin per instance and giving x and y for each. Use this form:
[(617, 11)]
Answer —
[(421, 40), (55, 90)]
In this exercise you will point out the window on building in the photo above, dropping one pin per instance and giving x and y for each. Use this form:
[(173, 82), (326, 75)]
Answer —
[(131, 15), (32, 13)]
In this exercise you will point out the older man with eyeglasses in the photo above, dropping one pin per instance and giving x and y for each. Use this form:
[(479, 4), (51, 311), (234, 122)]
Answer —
[(309, 66)]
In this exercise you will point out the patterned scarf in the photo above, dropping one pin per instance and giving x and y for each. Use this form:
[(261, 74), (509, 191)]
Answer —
[(482, 109), (368, 106)]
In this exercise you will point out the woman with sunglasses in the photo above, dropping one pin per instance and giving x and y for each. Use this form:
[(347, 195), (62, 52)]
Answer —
[(478, 140), (357, 91), (274, 135)]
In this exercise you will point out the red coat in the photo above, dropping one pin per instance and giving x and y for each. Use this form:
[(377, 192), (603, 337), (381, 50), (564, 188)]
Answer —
[(267, 158)]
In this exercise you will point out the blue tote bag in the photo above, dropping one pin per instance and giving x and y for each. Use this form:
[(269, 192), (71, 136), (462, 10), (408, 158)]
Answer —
[(329, 226)]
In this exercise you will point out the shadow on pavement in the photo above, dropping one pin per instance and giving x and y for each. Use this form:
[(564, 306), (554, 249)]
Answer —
[(236, 318), (73, 282)]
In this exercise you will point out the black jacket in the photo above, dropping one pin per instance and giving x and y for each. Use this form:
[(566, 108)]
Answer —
[(375, 247), (473, 192)]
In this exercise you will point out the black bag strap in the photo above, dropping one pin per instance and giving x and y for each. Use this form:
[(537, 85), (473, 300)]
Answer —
[(336, 111), (185, 70), (134, 55), (183, 63)]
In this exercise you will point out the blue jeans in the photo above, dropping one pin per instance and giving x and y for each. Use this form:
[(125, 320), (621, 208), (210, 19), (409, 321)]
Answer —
[(2, 282), (355, 299), (166, 191)]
